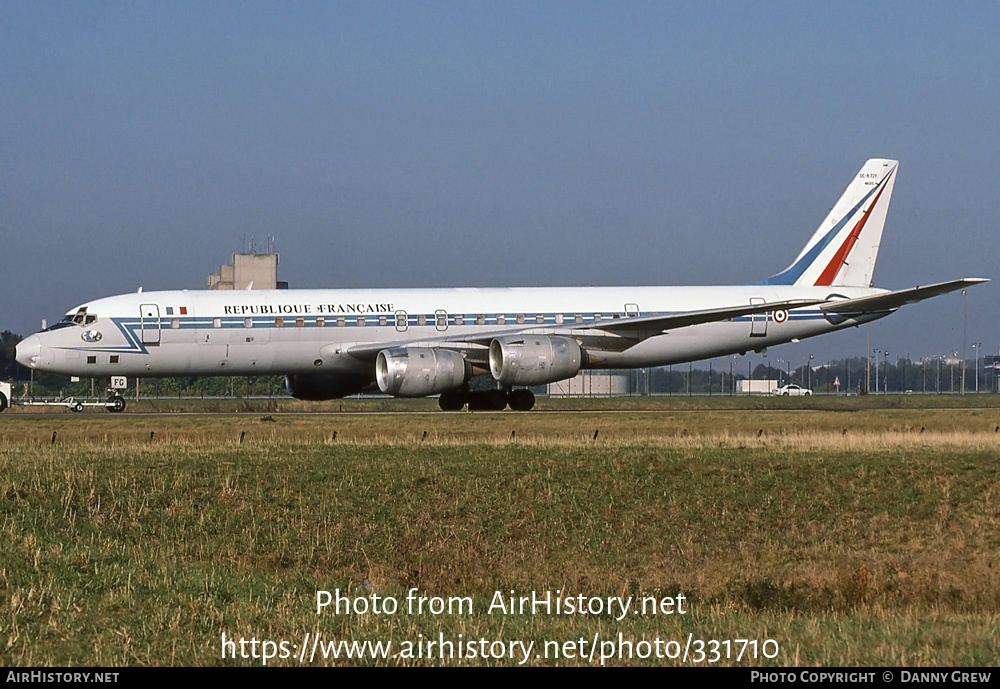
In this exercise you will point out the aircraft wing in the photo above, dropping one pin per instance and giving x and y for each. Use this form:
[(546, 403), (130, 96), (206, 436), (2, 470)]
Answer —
[(615, 334), (887, 301), (654, 325)]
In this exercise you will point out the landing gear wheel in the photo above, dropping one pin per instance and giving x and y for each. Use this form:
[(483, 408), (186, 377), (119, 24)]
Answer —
[(497, 400), (487, 400), (77, 407), (521, 400), (453, 400), (3, 401), (116, 404)]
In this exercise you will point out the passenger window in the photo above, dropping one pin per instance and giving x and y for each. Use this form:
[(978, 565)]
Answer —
[(248, 322), (361, 322), (216, 322), (383, 320), (519, 318), (341, 322), (320, 322), (501, 319), (421, 319), (578, 317), (559, 319), (480, 319), (539, 318), (459, 320), (299, 322), (279, 322), (175, 323)]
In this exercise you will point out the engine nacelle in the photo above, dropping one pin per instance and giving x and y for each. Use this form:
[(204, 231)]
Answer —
[(417, 371), (534, 359), (325, 386)]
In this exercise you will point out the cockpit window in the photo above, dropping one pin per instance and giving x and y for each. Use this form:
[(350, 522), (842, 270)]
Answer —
[(79, 317), (60, 325)]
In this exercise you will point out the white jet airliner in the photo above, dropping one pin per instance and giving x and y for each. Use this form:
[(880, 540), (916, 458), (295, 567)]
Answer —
[(419, 342)]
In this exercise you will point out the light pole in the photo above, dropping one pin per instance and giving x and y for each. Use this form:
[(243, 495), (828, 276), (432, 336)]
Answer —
[(965, 329), (809, 375), (975, 353), (885, 372), (875, 352)]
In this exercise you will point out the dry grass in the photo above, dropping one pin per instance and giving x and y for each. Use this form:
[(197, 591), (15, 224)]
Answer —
[(848, 543)]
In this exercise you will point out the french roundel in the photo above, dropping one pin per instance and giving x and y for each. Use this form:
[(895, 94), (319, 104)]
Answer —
[(780, 316)]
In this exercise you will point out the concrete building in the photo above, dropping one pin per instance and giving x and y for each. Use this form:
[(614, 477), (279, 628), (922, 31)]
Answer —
[(592, 384), (259, 269)]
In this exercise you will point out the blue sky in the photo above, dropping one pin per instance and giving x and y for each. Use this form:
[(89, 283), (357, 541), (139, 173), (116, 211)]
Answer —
[(494, 144)]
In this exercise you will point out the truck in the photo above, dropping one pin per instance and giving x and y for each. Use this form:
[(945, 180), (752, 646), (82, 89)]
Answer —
[(757, 387)]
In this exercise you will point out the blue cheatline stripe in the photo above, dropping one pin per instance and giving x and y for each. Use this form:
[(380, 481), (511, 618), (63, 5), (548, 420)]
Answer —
[(131, 327)]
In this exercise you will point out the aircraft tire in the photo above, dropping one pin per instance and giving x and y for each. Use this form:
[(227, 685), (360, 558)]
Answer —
[(521, 400), (477, 401), (3, 401), (116, 404), (452, 400), (77, 407), (487, 400), (497, 400)]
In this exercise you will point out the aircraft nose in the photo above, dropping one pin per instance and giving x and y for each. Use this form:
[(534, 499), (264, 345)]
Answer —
[(28, 350)]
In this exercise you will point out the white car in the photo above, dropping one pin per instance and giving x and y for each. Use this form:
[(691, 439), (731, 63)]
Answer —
[(792, 391)]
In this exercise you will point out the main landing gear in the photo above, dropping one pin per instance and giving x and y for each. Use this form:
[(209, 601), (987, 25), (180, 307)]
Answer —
[(487, 400)]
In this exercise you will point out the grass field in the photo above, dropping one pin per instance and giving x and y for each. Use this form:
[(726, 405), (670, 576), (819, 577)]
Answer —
[(848, 537)]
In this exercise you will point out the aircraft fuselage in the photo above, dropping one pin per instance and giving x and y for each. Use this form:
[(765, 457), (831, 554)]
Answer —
[(180, 333)]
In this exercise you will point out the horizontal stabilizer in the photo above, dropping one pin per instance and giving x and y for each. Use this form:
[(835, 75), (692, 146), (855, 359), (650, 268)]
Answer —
[(888, 301)]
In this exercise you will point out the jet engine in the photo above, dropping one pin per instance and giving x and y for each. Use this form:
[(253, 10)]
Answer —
[(325, 386), (534, 360), (417, 371)]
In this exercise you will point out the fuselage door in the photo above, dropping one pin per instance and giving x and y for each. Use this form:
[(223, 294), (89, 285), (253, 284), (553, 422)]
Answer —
[(149, 324), (758, 321), (402, 321), (441, 320)]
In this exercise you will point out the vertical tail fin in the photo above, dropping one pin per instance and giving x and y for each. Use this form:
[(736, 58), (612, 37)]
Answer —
[(845, 246)]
